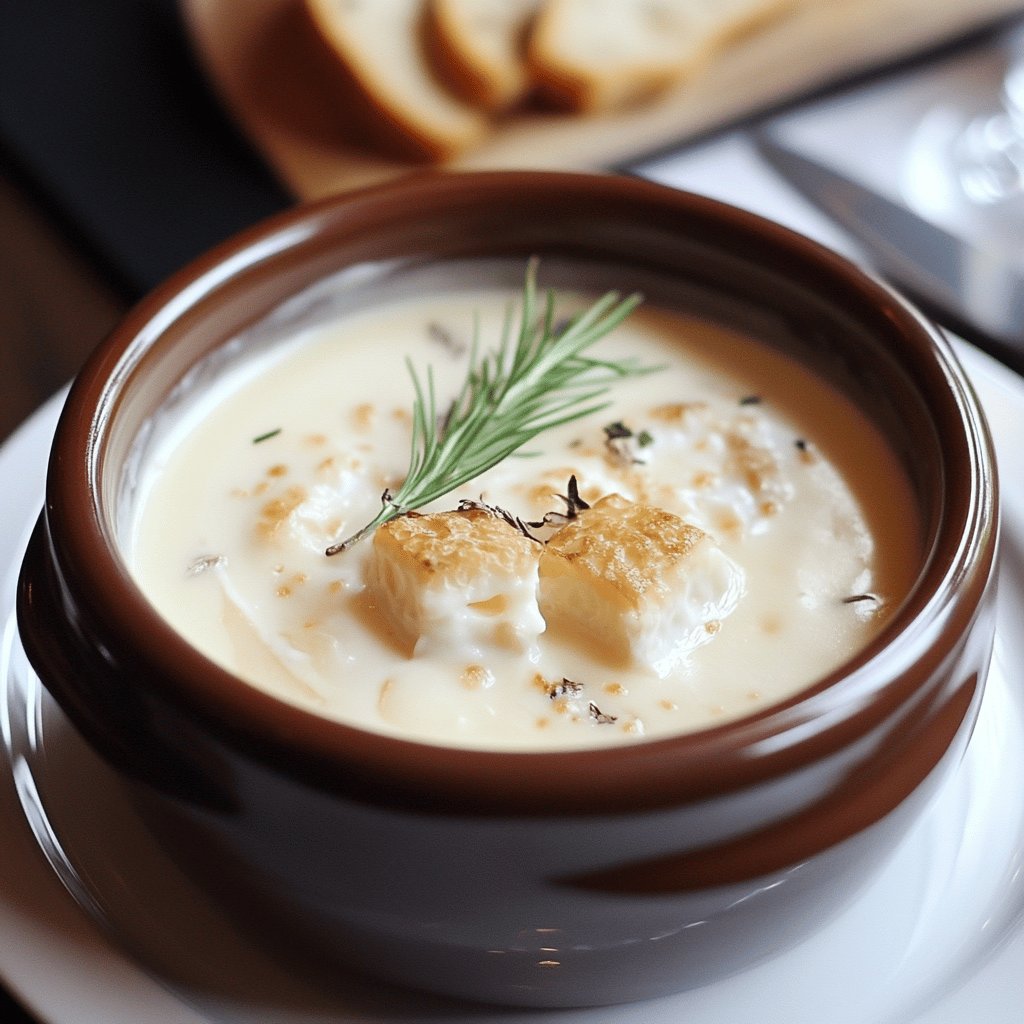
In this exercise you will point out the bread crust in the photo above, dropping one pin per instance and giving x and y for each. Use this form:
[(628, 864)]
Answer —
[(420, 121), (427, 80), (480, 53)]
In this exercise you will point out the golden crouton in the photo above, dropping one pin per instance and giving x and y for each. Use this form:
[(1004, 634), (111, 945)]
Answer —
[(638, 582), (457, 581)]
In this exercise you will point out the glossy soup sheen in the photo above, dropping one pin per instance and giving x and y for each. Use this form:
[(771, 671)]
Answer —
[(292, 452)]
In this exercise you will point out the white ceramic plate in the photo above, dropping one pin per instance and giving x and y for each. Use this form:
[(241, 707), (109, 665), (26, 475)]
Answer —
[(98, 927)]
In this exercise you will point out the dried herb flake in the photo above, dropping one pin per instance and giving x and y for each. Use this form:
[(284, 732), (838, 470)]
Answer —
[(574, 504), (468, 505), (566, 688)]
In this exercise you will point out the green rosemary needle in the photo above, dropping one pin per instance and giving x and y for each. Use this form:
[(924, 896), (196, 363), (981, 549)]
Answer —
[(537, 378)]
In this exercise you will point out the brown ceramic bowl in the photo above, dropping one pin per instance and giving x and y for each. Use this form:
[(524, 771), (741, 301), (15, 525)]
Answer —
[(552, 879)]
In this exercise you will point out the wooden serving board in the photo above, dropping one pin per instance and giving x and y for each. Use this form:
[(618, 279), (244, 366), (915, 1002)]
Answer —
[(254, 55)]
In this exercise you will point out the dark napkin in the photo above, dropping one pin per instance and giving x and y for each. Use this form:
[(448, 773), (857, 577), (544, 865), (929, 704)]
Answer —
[(106, 117)]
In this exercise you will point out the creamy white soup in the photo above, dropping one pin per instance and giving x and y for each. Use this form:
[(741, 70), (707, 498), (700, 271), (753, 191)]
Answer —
[(725, 532)]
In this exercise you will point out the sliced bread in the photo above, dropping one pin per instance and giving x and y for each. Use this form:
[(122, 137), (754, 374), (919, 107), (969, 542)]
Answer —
[(377, 51), (592, 55), (478, 46)]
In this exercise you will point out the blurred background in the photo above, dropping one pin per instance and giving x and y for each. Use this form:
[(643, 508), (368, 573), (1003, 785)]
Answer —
[(117, 166), (120, 159), (136, 134)]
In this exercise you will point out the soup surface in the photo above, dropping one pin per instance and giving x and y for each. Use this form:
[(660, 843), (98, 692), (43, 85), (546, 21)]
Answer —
[(796, 547)]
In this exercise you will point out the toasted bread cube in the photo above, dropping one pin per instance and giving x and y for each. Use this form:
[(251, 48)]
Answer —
[(637, 582), (457, 582)]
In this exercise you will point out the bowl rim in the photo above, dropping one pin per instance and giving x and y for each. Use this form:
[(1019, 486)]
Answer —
[(654, 772)]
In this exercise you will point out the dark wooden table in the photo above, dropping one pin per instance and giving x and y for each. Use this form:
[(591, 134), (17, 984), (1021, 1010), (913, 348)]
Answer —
[(54, 306)]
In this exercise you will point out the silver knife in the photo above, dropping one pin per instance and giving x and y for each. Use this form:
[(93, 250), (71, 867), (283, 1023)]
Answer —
[(969, 288)]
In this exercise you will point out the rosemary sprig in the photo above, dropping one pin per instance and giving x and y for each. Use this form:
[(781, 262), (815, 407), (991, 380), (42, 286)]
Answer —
[(537, 378)]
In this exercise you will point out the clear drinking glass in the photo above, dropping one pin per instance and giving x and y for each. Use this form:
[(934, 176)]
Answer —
[(965, 160)]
